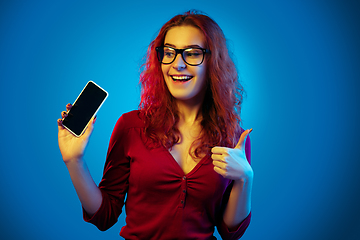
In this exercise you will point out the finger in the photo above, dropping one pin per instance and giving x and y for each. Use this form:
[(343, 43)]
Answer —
[(64, 114), (218, 157), (220, 164), (220, 171), (219, 150), (241, 143), (68, 106), (90, 128), (59, 122), (60, 126)]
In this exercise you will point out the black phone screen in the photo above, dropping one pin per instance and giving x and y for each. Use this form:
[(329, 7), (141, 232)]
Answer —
[(84, 108)]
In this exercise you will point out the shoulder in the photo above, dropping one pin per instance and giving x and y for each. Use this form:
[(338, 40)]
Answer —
[(131, 119), (126, 122)]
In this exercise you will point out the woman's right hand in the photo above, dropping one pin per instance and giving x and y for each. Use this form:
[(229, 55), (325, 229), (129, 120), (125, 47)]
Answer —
[(71, 147)]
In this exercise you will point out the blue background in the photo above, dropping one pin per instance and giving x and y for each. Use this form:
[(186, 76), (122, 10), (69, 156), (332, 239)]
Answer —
[(299, 62)]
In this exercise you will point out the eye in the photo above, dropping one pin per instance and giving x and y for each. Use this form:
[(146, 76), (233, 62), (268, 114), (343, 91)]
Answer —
[(193, 53), (168, 52)]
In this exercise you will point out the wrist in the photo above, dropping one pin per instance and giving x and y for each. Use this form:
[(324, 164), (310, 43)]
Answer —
[(77, 161), (246, 178)]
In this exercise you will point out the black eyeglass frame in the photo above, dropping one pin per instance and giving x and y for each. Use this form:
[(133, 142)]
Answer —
[(181, 51)]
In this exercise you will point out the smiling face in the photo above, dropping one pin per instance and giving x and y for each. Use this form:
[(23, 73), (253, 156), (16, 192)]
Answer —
[(185, 82)]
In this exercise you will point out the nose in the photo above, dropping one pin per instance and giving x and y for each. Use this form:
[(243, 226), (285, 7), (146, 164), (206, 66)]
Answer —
[(179, 63)]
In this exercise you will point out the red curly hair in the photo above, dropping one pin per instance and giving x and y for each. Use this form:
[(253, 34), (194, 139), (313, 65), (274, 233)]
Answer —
[(224, 94)]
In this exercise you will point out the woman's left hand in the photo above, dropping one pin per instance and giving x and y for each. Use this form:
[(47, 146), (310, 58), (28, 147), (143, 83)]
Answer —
[(231, 163)]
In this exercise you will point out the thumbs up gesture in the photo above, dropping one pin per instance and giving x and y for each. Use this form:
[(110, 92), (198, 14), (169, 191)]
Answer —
[(231, 163)]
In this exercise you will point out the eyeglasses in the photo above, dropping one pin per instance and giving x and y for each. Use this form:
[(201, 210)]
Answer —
[(191, 56)]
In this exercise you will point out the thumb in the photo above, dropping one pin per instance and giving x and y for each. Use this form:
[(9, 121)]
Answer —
[(241, 142), (90, 128)]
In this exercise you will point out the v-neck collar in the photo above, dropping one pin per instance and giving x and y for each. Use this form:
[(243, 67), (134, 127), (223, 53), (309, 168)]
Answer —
[(193, 170)]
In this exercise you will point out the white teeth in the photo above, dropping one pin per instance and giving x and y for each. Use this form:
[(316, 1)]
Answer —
[(181, 78)]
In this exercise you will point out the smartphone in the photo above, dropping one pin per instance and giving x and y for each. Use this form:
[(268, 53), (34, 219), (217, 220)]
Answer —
[(84, 108)]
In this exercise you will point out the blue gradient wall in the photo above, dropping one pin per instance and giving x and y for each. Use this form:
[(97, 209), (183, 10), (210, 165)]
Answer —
[(299, 62)]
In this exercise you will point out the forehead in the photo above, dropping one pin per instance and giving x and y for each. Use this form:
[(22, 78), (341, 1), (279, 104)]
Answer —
[(184, 36)]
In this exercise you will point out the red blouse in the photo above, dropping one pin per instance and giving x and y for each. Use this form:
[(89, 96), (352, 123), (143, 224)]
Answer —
[(162, 202)]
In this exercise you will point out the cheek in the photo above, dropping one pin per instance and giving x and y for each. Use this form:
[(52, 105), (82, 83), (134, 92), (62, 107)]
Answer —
[(202, 75), (165, 69)]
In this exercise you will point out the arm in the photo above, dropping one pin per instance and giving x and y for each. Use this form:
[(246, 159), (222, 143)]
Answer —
[(234, 164), (239, 204), (114, 183), (89, 194), (72, 149), (101, 205)]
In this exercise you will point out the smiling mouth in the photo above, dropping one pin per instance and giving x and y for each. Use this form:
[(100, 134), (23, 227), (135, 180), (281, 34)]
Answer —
[(181, 78)]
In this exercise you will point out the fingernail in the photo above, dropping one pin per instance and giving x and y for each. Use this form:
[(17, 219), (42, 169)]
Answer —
[(250, 130)]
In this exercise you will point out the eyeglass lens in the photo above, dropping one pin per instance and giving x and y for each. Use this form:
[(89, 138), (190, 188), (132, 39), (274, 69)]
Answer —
[(192, 56)]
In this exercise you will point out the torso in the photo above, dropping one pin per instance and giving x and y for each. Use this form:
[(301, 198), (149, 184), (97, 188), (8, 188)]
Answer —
[(180, 151)]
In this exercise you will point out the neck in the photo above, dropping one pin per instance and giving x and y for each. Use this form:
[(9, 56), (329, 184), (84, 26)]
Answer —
[(189, 112)]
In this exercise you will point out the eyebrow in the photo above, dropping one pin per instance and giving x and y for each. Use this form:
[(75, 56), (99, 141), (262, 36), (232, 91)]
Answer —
[(187, 46)]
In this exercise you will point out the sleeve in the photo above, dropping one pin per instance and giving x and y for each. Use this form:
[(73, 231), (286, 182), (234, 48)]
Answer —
[(223, 230), (226, 234), (114, 183)]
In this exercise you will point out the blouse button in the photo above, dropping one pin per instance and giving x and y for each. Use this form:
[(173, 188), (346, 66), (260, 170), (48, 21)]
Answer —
[(184, 190), (184, 177), (182, 201)]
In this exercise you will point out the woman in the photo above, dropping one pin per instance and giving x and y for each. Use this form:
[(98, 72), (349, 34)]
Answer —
[(181, 160)]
